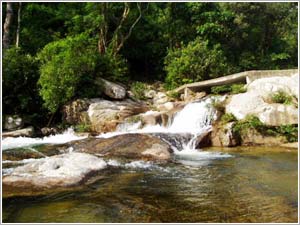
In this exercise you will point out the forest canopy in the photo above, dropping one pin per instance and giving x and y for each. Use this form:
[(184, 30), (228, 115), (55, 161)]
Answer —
[(52, 52)]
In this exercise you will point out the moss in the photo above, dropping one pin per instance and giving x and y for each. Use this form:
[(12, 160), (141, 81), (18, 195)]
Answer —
[(173, 94), (83, 127), (290, 132), (232, 89), (282, 98), (228, 117), (138, 89), (134, 119)]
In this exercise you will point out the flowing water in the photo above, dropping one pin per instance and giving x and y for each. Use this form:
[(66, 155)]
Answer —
[(242, 185)]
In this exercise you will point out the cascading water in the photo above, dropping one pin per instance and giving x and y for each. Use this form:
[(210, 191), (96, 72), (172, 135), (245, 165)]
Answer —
[(182, 131)]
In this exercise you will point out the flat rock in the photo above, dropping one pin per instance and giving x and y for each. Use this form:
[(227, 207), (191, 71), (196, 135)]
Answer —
[(56, 171), (134, 146)]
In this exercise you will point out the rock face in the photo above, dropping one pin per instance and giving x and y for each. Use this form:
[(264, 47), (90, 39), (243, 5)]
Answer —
[(55, 171), (13, 122), (113, 90), (256, 101), (223, 136), (105, 115), (75, 111), (26, 132), (136, 146), (160, 98), (253, 137)]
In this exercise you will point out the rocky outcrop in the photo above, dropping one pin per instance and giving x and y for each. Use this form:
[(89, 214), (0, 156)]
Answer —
[(112, 90), (75, 112), (224, 136), (26, 132), (253, 137), (160, 98), (104, 115), (13, 122), (133, 146), (56, 171), (256, 101)]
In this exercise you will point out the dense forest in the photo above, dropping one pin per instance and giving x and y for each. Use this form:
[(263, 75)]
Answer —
[(53, 52)]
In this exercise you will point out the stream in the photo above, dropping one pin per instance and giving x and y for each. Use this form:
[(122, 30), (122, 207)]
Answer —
[(244, 184)]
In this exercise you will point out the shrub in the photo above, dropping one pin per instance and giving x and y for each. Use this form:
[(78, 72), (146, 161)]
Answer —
[(238, 88), (220, 89), (233, 89), (138, 89), (64, 64), (195, 62), (228, 117), (289, 131), (282, 97), (19, 82), (82, 127), (250, 121), (173, 94)]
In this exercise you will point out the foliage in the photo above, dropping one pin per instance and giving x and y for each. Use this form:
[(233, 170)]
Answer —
[(228, 117), (173, 94), (138, 89), (250, 121), (220, 89), (218, 105), (289, 131), (238, 88), (282, 98), (82, 127), (20, 93), (226, 88), (64, 64), (195, 62)]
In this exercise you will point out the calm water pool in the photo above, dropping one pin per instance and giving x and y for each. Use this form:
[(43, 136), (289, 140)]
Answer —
[(253, 186)]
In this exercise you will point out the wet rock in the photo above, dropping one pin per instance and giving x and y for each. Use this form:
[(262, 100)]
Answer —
[(136, 146), (55, 171), (26, 132), (13, 122), (224, 136), (46, 131), (105, 115)]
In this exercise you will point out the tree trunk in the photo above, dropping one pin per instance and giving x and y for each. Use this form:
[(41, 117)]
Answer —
[(19, 24), (7, 25)]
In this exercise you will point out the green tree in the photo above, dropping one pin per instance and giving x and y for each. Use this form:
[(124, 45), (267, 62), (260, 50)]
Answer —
[(64, 64), (195, 62)]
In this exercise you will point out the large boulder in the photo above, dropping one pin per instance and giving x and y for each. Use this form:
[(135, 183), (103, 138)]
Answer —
[(56, 171), (224, 136), (13, 122), (105, 115), (256, 101), (133, 146), (75, 112), (113, 90)]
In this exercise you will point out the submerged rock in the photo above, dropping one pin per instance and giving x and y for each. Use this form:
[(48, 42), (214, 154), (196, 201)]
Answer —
[(136, 146), (55, 171)]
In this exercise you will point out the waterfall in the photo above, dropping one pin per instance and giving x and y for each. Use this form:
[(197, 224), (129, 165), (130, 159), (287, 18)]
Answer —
[(182, 130)]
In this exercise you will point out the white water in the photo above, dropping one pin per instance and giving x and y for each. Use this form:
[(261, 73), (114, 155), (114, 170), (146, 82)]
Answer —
[(195, 118), (19, 142)]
